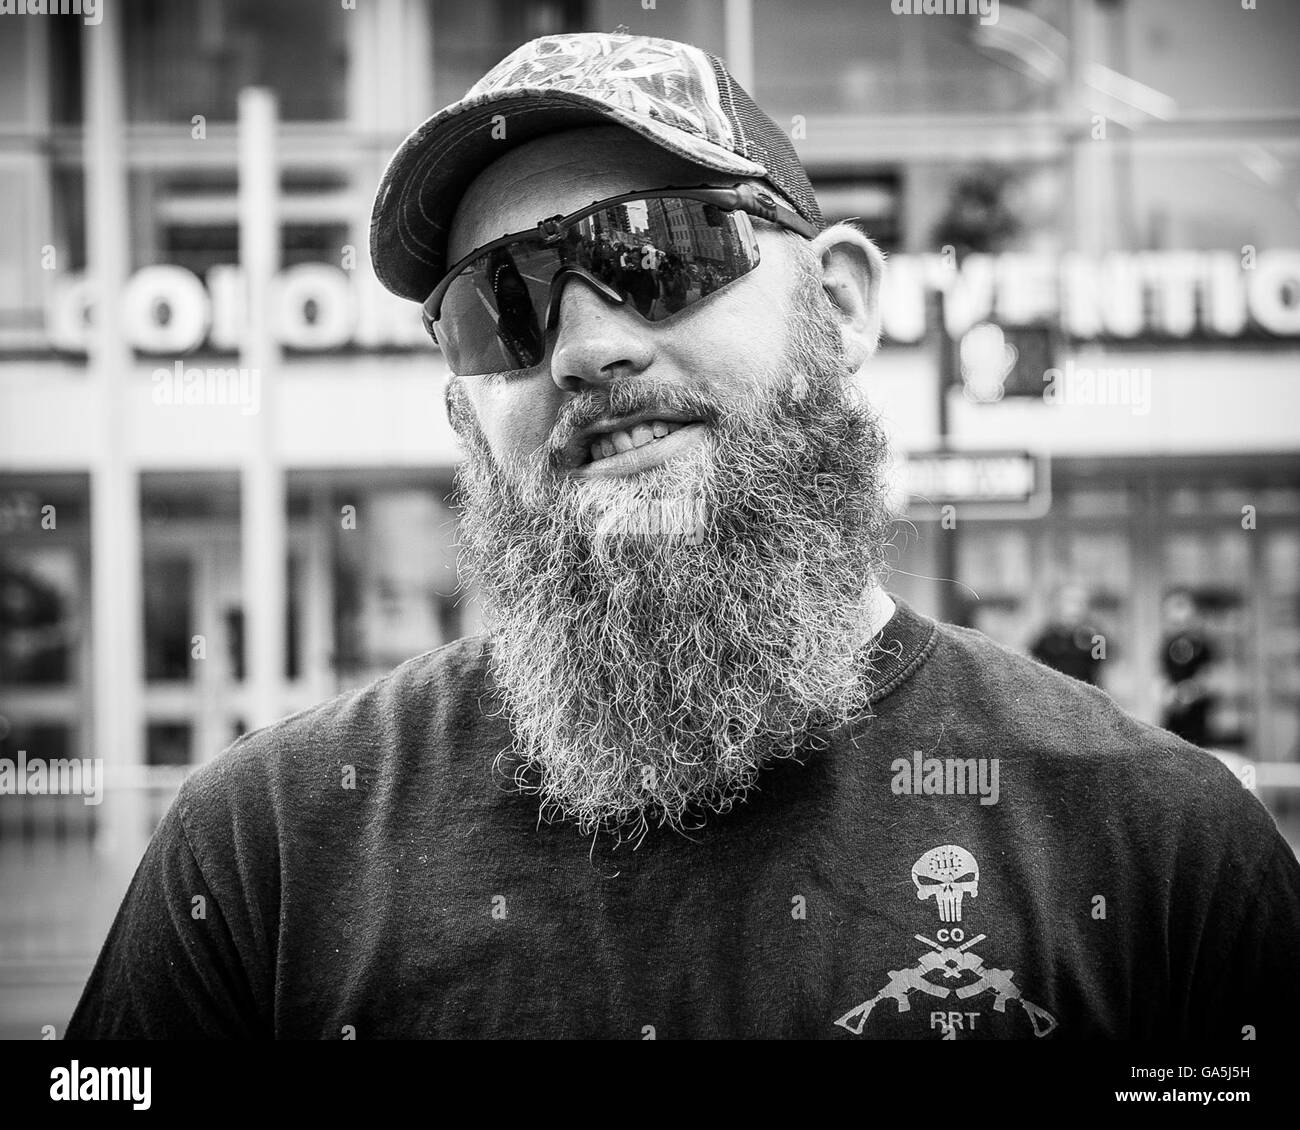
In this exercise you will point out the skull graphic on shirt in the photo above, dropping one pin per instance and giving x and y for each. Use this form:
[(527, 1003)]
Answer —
[(946, 874)]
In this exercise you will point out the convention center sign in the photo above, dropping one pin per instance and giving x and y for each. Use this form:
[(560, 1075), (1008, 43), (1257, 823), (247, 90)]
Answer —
[(319, 308)]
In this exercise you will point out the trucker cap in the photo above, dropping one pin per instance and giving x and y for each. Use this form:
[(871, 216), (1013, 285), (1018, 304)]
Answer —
[(673, 94)]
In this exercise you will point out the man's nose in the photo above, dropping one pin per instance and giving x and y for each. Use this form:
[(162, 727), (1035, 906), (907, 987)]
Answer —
[(597, 339)]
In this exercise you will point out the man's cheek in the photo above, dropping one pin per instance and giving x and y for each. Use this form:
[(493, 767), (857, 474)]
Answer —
[(510, 436), (735, 358)]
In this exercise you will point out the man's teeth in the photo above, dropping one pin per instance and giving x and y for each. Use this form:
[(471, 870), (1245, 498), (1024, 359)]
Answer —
[(625, 440)]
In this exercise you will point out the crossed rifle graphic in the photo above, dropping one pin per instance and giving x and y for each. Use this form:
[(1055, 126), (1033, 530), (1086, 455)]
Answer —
[(953, 961)]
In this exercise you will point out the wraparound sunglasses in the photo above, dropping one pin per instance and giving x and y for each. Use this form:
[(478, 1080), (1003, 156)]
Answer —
[(662, 251)]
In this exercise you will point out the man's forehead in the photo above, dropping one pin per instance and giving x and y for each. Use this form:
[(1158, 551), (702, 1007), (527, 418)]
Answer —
[(561, 173)]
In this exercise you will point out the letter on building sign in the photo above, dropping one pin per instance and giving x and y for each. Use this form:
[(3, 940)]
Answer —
[(1273, 288)]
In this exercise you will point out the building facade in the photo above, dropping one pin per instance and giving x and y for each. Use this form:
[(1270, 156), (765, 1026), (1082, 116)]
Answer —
[(227, 497)]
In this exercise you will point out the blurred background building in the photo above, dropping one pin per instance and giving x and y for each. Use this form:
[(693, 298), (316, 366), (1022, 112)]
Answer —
[(1092, 209)]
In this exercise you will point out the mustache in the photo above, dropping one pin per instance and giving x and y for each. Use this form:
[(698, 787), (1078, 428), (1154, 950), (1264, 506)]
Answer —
[(626, 397)]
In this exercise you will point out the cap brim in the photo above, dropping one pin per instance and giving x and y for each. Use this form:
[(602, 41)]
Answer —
[(427, 176)]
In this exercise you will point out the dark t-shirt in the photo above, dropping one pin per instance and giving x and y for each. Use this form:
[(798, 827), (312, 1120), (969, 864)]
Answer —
[(1096, 877)]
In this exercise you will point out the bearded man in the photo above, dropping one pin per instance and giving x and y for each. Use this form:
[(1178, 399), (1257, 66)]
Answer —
[(702, 775)]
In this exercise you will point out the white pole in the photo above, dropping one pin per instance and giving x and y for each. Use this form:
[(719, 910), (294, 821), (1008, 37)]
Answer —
[(116, 585), (1092, 152), (263, 513), (318, 641), (739, 25)]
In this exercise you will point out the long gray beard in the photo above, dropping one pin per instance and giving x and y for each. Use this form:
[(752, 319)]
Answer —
[(658, 640)]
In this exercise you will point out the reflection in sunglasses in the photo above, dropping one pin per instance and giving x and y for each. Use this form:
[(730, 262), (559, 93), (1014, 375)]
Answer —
[(659, 256)]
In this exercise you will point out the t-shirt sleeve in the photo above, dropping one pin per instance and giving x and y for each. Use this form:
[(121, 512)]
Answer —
[(171, 967), (1258, 987)]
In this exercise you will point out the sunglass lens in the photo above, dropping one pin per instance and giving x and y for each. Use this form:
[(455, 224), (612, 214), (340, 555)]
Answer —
[(664, 254), (659, 255), (489, 320)]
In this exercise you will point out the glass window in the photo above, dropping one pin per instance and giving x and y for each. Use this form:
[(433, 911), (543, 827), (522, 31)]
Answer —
[(194, 56), (1101, 560), (1177, 48), (469, 39), (1092, 584), (168, 618), (1098, 503), (995, 560), (191, 219), (169, 743), (294, 585), (40, 616), (29, 819), (42, 237), (1277, 501), (48, 740), (1280, 595), (1187, 500), (65, 70), (69, 218), (396, 581), (825, 56), (876, 201), (233, 616), (1214, 570), (702, 24)]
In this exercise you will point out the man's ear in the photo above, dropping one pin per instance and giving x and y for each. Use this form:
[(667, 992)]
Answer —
[(851, 267)]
